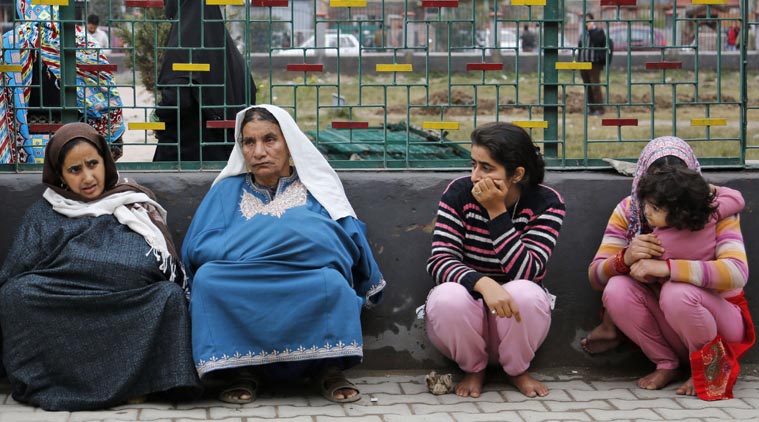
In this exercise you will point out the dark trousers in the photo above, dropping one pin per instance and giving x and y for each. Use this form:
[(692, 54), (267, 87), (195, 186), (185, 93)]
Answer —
[(592, 78)]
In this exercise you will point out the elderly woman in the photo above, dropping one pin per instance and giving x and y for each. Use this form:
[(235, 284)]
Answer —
[(280, 266), (494, 233), (91, 305), (697, 304)]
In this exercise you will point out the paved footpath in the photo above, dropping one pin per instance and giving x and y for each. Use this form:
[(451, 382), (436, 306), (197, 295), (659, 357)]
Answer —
[(403, 396)]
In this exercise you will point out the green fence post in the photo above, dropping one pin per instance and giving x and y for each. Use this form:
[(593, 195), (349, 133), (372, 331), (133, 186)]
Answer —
[(67, 27), (551, 77)]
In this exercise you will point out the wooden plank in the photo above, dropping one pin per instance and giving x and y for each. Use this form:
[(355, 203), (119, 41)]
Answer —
[(574, 65), (440, 3), (270, 3), (50, 2), (144, 3), (708, 122), (484, 66), (97, 67), (44, 127), (663, 65), (146, 126), (10, 68), (395, 67), (191, 67), (347, 3), (619, 122), (220, 124), (619, 2), (531, 124), (350, 125), (528, 2), (441, 125), (707, 2), (305, 67), (225, 2)]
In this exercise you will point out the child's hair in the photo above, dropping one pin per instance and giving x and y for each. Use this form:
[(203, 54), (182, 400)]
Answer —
[(683, 192)]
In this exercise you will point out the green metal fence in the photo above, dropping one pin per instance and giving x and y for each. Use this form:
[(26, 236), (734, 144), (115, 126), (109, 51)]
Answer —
[(380, 84)]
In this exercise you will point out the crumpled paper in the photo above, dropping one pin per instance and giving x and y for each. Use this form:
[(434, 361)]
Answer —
[(439, 383)]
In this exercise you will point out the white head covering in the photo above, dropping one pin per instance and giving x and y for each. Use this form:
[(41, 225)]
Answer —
[(314, 171)]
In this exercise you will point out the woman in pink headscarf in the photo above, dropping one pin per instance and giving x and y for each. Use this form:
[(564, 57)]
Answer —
[(694, 307)]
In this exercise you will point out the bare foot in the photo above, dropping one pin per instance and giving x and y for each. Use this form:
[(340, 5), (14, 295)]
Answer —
[(603, 338), (471, 384), (687, 389), (657, 379), (528, 385)]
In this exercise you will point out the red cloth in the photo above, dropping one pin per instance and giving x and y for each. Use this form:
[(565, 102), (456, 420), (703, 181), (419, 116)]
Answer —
[(715, 367)]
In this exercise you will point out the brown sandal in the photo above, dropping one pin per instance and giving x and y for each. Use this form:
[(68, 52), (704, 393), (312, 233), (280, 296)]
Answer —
[(334, 380)]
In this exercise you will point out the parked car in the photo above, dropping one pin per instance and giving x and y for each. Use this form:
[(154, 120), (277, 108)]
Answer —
[(641, 37), (348, 46), (507, 40)]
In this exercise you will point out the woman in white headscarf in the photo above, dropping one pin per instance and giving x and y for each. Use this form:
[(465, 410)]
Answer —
[(280, 267)]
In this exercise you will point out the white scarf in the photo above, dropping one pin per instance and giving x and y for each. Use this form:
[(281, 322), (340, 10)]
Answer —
[(136, 218), (313, 169)]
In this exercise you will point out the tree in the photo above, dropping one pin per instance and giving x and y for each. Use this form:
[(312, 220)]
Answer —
[(143, 36)]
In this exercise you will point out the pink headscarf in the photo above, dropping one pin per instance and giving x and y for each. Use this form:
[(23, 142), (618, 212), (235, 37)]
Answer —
[(657, 148)]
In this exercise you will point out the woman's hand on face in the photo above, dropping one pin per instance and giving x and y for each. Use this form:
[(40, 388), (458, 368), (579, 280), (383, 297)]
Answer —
[(497, 299), (649, 270), (491, 194), (643, 246)]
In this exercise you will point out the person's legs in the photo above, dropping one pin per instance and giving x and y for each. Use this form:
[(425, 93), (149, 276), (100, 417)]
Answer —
[(456, 326), (596, 98), (586, 79), (517, 341), (697, 315), (634, 308), (604, 337)]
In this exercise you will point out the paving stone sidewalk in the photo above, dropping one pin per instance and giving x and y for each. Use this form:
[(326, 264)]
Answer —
[(403, 396)]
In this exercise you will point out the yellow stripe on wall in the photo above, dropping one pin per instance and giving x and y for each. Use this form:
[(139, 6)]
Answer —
[(441, 125), (708, 122), (347, 3), (191, 67), (574, 65), (146, 126), (531, 124), (396, 67)]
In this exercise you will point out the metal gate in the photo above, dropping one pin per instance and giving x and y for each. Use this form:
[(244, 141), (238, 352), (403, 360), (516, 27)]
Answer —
[(381, 84)]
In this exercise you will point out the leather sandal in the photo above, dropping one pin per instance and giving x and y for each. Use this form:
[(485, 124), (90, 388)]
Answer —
[(238, 388), (334, 380)]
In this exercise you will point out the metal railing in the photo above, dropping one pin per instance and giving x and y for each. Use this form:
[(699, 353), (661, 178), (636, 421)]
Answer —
[(380, 84)]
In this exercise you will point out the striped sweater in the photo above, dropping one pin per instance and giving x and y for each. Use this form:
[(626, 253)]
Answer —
[(467, 245), (726, 274)]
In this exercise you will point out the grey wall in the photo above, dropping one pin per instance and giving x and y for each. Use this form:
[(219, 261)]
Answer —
[(398, 208)]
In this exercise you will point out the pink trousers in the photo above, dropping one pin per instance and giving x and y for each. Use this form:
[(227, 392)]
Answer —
[(670, 324), (462, 328)]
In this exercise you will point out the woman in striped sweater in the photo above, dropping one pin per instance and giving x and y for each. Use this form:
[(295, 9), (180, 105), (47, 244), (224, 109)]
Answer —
[(494, 234), (698, 300)]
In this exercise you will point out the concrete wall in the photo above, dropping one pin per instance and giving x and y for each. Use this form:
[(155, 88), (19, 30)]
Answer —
[(398, 208)]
